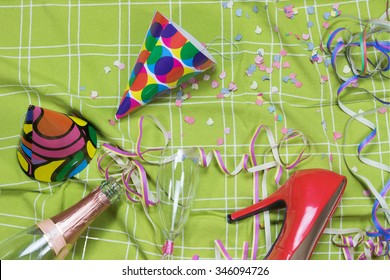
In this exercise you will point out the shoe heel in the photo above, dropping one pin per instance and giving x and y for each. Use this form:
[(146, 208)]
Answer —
[(274, 201)]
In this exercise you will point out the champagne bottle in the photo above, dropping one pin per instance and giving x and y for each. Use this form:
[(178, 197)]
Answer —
[(53, 238)]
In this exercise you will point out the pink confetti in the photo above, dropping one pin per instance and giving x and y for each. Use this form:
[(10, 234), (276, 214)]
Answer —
[(259, 102), (227, 130), (298, 84), (193, 80), (269, 70), (222, 75), (214, 84), (232, 86), (262, 67), (283, 52), (112, 122), (331, 157), (189, 120), (220, 96), (259, 59), (276, 64), (325, 24), (366, 193), (293, 76), (382, 110), (178, 102), (324, 79), (336, 6), (284, 130), (286, 64), (184, 85), (305, 36), (337, 135), (189, 96), (169, 134), (219, 141)]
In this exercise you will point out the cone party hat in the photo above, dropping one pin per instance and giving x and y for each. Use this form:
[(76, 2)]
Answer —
[(169, 57), (54, 146)]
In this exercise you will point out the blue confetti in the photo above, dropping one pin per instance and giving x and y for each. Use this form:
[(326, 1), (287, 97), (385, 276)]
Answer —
[(265, 77), (310, 24), (271, 109), (286, 78), (255, 9), (224, 4), (327, 62), (277, 58), (310, 46), (326, 15), (225, 91), (82, 88), (293, 81), (238, 37), (239, 12), (310, 10)]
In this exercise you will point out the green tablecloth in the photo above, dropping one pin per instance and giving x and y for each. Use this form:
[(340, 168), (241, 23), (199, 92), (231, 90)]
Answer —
[(53, 55)]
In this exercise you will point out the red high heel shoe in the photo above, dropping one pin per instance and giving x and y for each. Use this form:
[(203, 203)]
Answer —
[(310, 197)]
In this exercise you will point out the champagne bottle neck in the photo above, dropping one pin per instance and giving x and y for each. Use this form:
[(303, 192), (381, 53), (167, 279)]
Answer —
[(66, 227)]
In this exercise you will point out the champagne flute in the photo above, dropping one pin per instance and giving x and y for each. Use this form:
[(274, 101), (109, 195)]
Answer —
[(176, 184)]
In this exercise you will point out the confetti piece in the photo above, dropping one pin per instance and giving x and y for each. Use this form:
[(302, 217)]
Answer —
[(324, 79), (276, 64), (251, 70), (94, 94), (112, 122), (253, 85), (346, 69), (222, 75), (285, 79), (293, 75), (220, 96), (337, 135), (189, 120), (366, 193), (278, 118), (262, 67), (119, 64), (214, 84), (225, 91), (232, 86), (227, 130), (206, 77), (382, 110), (169, 134), (219, 141), (310, 24), (277, 58), (259, 102), (265, 77), (326, 15), (271, 109), (327, 62), (239, 12), (310, 10), (305, 36), (107, 69), (336, 6), (255, 9), (82, 88), (276, 28), (258, 30), (210, 121), (178, 102), (284, 130), (283, 52), (298, 84), (269, 70), (238, 37), (331, 157), (259, 59), (286, 64), (194, 86), (310, 46), (274, 90), (260, 52), (354, 169), (325, 24)]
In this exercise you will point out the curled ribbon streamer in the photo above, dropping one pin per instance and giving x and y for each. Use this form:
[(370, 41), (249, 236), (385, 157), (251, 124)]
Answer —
[(372, 27), (131, 170)]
